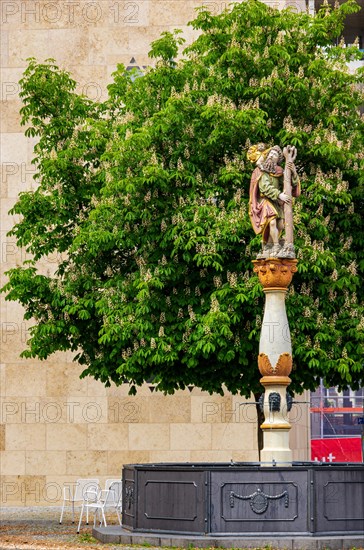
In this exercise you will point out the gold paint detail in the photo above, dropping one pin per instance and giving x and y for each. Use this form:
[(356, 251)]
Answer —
[(273, 380), (282, 368), (272, 289), (276, 426), (275, 273)]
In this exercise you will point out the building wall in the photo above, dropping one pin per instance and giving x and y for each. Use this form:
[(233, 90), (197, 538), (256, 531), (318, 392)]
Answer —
[(55, 427)]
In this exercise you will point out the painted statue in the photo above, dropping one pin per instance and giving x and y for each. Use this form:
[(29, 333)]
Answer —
[(270, 204)]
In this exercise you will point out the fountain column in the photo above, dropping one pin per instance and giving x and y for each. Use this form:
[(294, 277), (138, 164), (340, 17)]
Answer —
[(275, 358)]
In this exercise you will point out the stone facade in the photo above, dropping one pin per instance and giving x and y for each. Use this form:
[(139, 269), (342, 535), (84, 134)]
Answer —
[(55, 427)]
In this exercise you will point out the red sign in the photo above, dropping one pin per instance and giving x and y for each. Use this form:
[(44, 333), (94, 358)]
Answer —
[(346, 449)]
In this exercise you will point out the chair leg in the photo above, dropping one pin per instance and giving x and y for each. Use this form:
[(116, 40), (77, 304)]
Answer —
[(73, 511), (61, 518), (103, 517), (86, 516), (79, 523)]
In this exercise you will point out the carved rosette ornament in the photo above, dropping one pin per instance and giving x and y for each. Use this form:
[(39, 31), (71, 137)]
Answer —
[(259, 500), (275, 273)]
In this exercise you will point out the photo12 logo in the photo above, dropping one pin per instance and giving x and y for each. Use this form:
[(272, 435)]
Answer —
[(70, 12), (30, 490), (70, 412)]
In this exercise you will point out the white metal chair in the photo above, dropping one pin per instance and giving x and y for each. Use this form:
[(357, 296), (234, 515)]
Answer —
[(117, 486), (103, 501), (74, 494)]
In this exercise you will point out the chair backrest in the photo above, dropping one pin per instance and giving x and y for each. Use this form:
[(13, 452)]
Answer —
[(109, 482), (91, 496), (110, 498), (83, 485), (117, 488)]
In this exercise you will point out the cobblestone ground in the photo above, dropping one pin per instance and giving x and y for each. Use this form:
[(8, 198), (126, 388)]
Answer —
[(39, 528)]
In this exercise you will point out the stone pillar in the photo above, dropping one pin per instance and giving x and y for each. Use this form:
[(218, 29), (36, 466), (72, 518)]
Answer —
[(275, 358)]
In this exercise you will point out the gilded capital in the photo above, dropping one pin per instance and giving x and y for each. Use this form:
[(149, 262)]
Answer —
[(275, 273)]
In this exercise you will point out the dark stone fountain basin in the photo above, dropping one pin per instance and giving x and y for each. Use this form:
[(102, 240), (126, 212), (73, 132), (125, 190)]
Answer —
[(244, 499)]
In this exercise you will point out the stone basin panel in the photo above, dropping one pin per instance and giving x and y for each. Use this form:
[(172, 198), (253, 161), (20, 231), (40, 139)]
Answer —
[(339, 500), (259, 502), (172, 501)]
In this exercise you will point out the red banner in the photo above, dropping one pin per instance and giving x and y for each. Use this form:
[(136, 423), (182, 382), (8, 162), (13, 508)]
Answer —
[(348, 449)]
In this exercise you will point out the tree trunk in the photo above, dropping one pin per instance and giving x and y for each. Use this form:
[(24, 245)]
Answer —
[(260, 419)]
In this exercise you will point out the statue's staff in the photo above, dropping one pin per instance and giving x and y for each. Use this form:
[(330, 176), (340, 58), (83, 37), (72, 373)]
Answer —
[(290, 154)]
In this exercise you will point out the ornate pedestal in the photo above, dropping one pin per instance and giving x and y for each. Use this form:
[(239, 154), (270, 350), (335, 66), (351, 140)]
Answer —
[(275, 358)]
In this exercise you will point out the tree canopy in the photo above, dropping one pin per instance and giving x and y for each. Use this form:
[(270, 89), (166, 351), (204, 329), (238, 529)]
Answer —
[(145, 196)]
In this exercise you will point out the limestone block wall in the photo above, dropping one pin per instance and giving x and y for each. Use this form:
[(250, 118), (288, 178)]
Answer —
[(55, 427)]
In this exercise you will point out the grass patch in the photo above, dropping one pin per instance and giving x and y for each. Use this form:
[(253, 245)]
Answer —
[(87, 538)]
